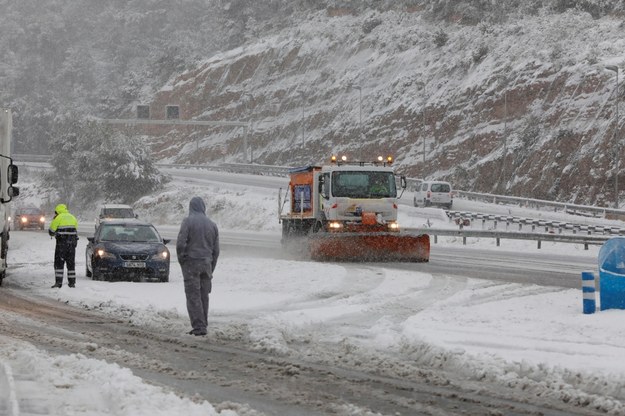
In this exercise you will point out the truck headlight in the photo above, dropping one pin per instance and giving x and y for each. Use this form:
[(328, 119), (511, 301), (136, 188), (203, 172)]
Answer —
[(393, 226), (335, 225)]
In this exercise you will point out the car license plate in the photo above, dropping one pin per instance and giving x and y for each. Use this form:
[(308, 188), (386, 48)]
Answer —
[(134, 264)]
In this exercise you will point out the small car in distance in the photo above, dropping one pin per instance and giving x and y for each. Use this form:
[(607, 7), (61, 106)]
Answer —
[(431, 193), (127, 250), (114, 211), (29, 217)]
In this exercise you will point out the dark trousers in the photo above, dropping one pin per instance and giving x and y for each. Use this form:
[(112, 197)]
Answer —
[(65, 254), (197, 275)]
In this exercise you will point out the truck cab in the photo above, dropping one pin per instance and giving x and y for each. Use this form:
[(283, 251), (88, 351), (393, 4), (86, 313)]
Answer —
[(343, 196), (8, 178)]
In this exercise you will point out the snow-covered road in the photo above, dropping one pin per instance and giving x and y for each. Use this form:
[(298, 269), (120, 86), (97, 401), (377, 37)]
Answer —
[(530, 343)]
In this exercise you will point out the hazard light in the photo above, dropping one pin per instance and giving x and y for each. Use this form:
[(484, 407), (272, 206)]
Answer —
[(335, 159), (386, 161)]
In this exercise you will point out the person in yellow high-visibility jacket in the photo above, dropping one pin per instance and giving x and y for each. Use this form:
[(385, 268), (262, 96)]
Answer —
[(64, 227)]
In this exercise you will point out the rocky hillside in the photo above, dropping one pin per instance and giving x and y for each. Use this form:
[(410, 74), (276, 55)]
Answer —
[(503, 97), (523, 106)]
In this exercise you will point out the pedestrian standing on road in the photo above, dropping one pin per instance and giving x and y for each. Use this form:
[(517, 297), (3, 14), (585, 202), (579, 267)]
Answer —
[(64, 227), (197, 248)]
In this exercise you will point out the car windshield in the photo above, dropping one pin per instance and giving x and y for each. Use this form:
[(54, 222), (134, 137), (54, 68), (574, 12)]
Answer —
[(30, 211), (118, 213), (129, 232), (363, 184), (440, 187)]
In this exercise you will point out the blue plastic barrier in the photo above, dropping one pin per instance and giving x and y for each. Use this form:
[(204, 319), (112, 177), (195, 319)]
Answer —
[(588, 292), (612, 274)]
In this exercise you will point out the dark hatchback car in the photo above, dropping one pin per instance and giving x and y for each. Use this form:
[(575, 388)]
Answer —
[(29, 217), (128, 250)]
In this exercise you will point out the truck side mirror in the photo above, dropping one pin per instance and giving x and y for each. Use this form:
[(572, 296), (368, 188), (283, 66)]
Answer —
[(321, 182), (403, 182), (12, 174), (13, 191)]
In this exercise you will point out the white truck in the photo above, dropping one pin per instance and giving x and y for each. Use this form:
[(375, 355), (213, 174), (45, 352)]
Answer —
[(347, 211), (8, 177)]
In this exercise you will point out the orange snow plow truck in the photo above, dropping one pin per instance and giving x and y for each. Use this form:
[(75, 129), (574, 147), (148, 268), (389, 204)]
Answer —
[(347, 211)]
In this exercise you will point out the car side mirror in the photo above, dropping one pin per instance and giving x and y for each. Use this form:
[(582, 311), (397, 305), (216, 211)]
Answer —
[(90, 239), (166, 240)]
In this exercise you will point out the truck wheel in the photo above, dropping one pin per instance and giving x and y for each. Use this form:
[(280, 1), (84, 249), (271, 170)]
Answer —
[(317, 226)]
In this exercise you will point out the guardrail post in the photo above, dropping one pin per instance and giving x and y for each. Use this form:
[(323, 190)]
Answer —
[(498, 241), (539, 244), (588, 292)]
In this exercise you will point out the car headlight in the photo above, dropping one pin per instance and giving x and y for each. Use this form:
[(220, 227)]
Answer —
[(161, 255), (42, 219), (24, 219), (103, 254)]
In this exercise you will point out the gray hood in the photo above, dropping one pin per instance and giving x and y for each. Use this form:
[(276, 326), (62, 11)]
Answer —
[(197, 206)]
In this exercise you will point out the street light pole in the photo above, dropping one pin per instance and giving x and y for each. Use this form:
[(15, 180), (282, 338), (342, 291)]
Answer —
[(246, 143), (301, 93), (424, 136), (505, 134), (614, 68), (359, 88)]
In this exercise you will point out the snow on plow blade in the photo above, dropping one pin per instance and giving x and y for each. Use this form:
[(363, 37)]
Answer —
[(370, 247)]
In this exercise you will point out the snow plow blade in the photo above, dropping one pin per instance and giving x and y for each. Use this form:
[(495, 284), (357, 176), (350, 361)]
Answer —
[(372, 247)]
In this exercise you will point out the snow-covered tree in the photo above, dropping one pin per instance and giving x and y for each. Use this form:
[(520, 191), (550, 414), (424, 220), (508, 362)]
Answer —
[(94, 162)]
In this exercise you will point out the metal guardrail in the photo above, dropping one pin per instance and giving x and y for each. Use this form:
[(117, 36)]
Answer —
[(538, 203), (459, 217), (586, 240)]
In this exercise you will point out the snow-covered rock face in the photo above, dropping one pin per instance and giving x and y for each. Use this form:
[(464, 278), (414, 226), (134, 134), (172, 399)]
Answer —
[(439, 84), (533, 88)]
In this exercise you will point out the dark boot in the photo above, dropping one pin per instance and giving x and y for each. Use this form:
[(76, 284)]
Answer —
[(72, 282), (56, 285)]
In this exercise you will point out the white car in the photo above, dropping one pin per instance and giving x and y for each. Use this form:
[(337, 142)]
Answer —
[(431, 193), (114, 211)]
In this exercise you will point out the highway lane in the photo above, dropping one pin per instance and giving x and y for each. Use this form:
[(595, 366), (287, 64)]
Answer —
[(541, 268)]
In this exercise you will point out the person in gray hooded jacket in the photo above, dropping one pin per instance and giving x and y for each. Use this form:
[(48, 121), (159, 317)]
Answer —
[(197, 248)]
